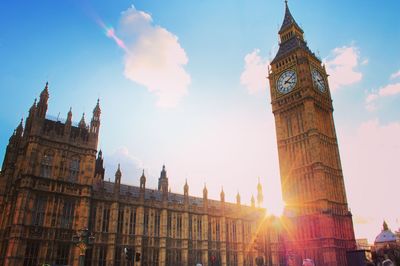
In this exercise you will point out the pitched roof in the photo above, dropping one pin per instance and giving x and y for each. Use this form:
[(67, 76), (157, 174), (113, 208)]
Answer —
[(288, 20)]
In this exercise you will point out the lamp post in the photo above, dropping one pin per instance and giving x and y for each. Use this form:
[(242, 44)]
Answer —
[(82, 240)]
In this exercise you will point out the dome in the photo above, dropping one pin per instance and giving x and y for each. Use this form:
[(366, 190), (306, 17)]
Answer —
[(385, 236)]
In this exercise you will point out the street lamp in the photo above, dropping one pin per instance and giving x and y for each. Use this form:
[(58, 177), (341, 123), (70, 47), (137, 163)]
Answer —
[(82, 240)]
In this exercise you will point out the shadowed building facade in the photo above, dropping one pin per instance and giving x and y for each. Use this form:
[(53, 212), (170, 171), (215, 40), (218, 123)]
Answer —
[(318, 221), (52, 187)]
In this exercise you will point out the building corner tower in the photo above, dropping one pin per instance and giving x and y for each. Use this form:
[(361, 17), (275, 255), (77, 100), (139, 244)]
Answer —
[(319, 223)]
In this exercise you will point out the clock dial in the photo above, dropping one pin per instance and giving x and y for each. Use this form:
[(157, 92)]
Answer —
[(318, 80), (287, 81)]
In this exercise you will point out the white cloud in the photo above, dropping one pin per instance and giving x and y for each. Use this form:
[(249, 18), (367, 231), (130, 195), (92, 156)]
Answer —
[(131, 167), (370, 164), (254, 75), (154, 57), (383, 92), (342, 65), (395, 75)]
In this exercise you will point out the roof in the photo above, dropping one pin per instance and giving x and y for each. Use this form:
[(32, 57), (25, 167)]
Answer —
[(290, 45), (288, 20), (385, 236), (154, 194)]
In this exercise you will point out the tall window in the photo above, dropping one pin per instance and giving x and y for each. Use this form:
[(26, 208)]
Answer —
[(106, 220), (199, 229), (120, 221), (132, 222), (117, 256), (157, 224), (103, 256), (217, 230), (46, 165), (31, 253), (169, 224), (39, 211), (68, 214), (74, 170), (146, 223), (62, 254), (179, 226)]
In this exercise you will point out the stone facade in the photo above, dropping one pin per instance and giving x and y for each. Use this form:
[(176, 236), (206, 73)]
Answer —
[(53, 187), (317, 216)]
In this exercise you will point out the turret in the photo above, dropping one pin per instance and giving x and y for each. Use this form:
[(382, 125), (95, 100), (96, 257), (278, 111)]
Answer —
[(31, 117), (222, 195), (99, 168), (163, 183), (68, 123), (238, 198), (143, 181), (95, 123), (186, 192), (82, 123), (117, 184), (42, 105), (205, 196), (253, 202), (260, 196)]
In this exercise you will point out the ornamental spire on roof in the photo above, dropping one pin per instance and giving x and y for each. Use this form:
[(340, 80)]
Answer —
[(288, 20)]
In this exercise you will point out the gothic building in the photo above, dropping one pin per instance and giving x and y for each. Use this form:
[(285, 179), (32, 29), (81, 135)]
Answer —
[(57, 208), (53, 189), (317, 216)]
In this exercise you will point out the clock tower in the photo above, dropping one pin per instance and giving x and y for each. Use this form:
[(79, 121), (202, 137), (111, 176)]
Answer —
[(317, 218)]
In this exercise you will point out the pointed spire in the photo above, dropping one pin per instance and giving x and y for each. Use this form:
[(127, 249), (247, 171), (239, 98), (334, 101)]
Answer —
[(32, 110), (143, 180), (82, 123), (186, 188), (20, 128), (385, 226), (260, 196), (253, 202), (118, 173), (45, 91), (222, 194), (205, 192), (100, 154), (238, 198), (69, 116), (288, 20)]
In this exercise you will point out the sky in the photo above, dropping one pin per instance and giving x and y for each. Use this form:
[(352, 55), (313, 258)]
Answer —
[(183, 83)]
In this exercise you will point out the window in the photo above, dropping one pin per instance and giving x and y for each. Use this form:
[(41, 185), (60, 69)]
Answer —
[(146, 223), (179, 226), (46, 165), (199, 229), (120, 221), (102, 256), (31, 253), (157, 224), (39, 211), (132, 222), (106, 220), (117, 257), (68, 214), (74, 170), (169, 224), (62, 254)]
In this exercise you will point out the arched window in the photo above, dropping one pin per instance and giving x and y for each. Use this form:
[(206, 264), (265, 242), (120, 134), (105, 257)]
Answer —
[(74, 170), (46, 165)]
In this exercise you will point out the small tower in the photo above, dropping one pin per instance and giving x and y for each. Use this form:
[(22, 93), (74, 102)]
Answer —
[(163, 183), (99, 168), (205, 197), (238, 198), (95, 123), (222, 195), (82, 123), (253, 202), (42, 105), (31, 117), (260, 196), (143, 181), (117, 184), (68, 123), (186, 192)]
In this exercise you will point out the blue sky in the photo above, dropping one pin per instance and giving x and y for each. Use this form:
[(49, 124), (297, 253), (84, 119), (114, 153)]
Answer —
[(216, 129)]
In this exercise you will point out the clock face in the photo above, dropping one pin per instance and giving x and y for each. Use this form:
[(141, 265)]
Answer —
[(318, 80), (286, 81)]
